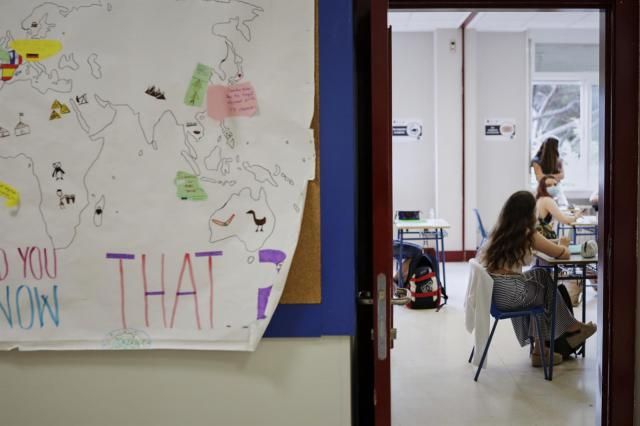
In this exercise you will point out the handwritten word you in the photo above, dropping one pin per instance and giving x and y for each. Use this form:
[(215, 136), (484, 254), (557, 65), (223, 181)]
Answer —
[(37, 263)]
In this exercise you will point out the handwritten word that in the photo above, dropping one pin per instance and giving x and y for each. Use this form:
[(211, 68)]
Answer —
[(186, 290)]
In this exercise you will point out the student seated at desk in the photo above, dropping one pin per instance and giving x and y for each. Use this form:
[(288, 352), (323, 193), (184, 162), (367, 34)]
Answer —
[(509, 248), (547, 209)]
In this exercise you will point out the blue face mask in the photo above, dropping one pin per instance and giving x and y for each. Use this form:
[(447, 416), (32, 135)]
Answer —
[(553, 191)]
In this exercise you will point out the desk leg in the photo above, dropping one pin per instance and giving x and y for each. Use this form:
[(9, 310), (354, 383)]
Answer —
[(584, 305), (399, 275), (552, 337), (438, 257), (444, 260)]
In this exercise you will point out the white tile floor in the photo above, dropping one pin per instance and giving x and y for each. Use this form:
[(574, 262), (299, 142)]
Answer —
[(432, 383)]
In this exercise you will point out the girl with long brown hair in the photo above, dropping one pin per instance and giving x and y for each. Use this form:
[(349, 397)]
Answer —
[(509, 248), (547, 160)]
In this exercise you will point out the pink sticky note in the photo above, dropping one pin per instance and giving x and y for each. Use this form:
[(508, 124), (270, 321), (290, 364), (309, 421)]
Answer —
[(231, 101)]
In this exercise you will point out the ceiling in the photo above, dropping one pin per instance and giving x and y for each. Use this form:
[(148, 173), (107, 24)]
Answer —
[(493, 21)]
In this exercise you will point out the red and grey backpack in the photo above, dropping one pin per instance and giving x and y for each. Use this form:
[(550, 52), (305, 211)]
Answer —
[(422, 278), (424, 286)]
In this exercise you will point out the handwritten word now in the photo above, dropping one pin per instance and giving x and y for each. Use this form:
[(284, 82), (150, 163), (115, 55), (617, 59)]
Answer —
[(20, 306), (37, 263)]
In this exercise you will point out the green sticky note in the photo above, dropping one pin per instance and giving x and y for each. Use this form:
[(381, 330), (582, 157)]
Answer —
[(4, 56), (198, 85), (188, 187)]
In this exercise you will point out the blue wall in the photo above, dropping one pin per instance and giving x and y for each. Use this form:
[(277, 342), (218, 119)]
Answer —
[(336, 315)]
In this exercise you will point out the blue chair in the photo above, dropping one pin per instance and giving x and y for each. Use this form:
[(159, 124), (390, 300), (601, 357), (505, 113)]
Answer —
[(483, 232), (535, 312)]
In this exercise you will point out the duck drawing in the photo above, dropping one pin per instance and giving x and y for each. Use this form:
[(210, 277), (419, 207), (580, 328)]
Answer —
[(258, 221)]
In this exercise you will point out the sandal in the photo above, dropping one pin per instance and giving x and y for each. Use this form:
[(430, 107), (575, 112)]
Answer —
[(578, 339), (536, 361)]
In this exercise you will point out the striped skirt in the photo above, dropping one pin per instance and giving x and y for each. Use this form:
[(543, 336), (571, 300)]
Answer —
[(532, 288)]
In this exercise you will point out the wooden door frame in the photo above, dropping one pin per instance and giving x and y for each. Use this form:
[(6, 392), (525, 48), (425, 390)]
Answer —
[(618, 225)]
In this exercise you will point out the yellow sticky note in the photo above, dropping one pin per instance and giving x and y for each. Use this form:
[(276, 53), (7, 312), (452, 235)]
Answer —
[(34, 50), (10, 193)]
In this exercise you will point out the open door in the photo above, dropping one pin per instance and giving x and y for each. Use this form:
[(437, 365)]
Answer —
[(618, 191), (382, 215), (375, 225)]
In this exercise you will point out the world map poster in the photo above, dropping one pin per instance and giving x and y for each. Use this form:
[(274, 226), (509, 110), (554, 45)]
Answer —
[(154, 160)]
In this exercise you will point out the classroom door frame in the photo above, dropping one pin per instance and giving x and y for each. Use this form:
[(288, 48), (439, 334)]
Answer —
[(618, 187)]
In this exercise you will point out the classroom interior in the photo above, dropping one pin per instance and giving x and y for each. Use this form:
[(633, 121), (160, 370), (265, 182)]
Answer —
[(456, 75)]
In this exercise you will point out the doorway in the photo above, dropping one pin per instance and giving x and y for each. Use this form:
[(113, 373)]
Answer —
[(618, 147)]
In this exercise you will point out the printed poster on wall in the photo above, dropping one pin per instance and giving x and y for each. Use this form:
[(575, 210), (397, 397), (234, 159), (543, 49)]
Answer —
[(499, 129), (406, 130), (154, 160)]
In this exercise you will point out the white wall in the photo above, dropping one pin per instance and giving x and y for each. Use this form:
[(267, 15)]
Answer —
[(427, 85), (412, 86), (448, 132), (496, 79), (285, 382)]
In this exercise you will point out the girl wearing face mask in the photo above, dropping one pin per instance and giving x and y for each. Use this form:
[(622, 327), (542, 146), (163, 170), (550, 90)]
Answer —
[(547, 209)]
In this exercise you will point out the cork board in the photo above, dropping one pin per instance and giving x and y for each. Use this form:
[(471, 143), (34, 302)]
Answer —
[(304, 281)]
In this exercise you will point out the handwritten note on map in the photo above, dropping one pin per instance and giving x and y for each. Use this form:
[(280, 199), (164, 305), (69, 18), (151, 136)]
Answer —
[(231, 101), (10, 194), (198, 85)]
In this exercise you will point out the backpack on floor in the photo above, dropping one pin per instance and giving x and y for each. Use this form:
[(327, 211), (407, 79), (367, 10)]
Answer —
[(424, 286), (419, 275)]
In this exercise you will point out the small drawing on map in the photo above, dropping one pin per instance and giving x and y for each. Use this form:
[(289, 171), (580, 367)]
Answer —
[(263, 299), (22, 128), (126, 339), (194, 129), (155, 92), (259, 221), (4, 132), (98, 212), (8, 69), (57, 109), (58, 172), (65, 199), (188, 187), (277, 257), (34, 50), (254, 228), (225, 222), (82, 99)]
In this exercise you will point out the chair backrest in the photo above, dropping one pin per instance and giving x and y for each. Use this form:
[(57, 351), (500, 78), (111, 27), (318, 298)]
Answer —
[(483, 232)]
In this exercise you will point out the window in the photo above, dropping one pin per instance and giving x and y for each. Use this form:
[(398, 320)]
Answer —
[(560, 109), (565, 104)]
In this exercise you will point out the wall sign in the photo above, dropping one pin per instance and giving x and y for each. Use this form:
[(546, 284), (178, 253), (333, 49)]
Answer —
[(407, 130), (499, 129)]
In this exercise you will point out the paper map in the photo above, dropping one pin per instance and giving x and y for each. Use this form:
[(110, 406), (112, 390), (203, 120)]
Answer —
[(131, 217)]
